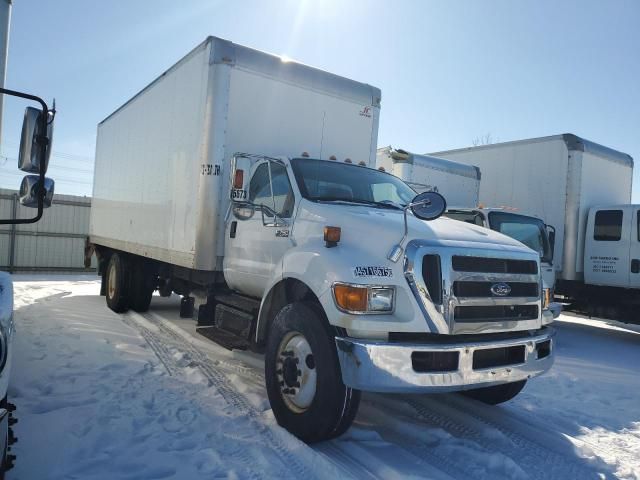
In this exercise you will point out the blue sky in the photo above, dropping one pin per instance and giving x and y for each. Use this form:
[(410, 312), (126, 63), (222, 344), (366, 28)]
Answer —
[(450, 71)]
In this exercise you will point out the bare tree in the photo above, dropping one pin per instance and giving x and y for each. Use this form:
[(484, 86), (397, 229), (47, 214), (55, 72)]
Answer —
[(486, 139)]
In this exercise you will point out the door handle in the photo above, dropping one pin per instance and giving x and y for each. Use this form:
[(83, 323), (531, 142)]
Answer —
[(232, 230), (635, 265)]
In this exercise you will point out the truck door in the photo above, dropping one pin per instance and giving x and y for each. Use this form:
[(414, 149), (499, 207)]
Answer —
[(606, 257), (634, 248), (255, 245)]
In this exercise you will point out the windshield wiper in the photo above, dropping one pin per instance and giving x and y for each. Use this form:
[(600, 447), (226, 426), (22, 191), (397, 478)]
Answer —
[(359, 201)]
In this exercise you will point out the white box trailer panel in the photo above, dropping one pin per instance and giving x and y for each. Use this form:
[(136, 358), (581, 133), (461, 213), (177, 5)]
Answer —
[(163, 158), (459, 183), (556, 178)]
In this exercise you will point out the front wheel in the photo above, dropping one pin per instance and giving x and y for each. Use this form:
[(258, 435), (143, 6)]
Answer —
[(303, 377), (496, 394)]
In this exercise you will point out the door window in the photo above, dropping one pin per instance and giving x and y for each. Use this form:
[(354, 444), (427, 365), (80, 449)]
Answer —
[(260, 189), (608, 226)]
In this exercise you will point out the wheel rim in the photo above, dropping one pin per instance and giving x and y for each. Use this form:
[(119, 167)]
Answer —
[(296, 372), (111, 281)]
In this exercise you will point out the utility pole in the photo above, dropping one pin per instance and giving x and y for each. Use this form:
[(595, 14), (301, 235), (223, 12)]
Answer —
[(5, 22)]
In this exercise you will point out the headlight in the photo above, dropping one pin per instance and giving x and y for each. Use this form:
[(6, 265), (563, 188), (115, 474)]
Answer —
[(546, 298), (363, 298)]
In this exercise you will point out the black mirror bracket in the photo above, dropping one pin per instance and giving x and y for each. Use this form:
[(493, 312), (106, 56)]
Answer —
[(420, 200)]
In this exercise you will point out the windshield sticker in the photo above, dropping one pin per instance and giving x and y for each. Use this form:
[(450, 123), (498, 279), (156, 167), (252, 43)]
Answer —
[(364, 271)]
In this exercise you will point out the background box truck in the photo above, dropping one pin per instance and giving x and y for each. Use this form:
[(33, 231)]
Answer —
[(581, 188), (458, 182), (234, 179)]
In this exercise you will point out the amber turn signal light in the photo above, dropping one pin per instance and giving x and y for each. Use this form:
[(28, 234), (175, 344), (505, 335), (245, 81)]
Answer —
[(351, 298), (332, 236), (238, 179)]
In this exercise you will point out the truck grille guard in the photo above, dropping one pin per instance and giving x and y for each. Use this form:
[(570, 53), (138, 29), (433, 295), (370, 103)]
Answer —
[(474, 290)]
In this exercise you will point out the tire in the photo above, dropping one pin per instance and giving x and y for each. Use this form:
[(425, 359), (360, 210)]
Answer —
[(4, 466), (117, 278), (331, 408), (103, 284), (143, 283), (496, 394)]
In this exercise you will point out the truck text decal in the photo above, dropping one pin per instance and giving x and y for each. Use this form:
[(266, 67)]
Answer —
[(364, 271), (209, 169), (604, 264), (238, 194)]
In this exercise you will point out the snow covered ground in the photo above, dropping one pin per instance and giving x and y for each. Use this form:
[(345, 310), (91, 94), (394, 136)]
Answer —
[(106, 396)]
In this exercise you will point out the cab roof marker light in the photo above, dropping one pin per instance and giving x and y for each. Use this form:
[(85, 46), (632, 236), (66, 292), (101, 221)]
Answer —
[(332, 157), (305, 154), (238, 179)]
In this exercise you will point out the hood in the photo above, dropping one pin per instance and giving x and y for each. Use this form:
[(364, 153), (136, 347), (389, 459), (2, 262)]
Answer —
[(384, 228)]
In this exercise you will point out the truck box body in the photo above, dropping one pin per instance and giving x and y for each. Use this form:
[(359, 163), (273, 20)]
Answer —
[(556, 178), (163, 158), (458, 182)]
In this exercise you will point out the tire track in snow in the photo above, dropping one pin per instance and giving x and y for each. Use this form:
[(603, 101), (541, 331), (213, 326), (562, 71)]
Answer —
[(158, 343), (235, 365), (410, 440), (347, 462), (464, 421)]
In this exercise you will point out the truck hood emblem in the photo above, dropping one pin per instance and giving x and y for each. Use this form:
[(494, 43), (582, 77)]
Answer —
[(500, 289)]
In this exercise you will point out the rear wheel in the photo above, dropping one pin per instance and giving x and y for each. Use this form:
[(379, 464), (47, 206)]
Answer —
[(303, 376), (118, 285), (143, 283), (496, 394)]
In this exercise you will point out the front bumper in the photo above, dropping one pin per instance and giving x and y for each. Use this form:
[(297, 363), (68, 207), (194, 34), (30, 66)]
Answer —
[(556, 309), (377, 366)]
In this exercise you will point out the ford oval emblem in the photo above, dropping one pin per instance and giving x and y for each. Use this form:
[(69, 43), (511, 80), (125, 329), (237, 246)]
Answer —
[(500, 289)]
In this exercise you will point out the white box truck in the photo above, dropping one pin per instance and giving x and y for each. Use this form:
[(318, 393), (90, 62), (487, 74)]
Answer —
[(581, 188), (458, 182), (221, 182)]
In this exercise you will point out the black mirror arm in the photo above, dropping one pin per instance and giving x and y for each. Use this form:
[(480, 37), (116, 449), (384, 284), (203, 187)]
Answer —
[(43, 148)]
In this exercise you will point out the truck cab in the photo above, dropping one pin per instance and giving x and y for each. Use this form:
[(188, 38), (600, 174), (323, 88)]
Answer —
[(528, 229), (612, 246)]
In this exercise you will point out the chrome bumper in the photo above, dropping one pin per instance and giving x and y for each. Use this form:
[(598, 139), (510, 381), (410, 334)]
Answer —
[(555, 309), (376, 366)]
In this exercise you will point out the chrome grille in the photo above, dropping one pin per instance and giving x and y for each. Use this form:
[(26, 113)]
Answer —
[(483, 289), (496, 312), (471, 290), (461, 263)]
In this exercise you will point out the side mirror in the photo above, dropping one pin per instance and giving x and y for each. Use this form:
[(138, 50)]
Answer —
[(30, 188), (428, 205), (551, 235), (31, 157), (240, 169), (243, 211)]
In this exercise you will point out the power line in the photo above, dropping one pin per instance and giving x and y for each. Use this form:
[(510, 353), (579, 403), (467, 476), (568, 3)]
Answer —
[(70, 156), (4, 160)]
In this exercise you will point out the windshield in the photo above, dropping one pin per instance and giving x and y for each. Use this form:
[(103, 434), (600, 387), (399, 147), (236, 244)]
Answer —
[(330, 181), (528, 230), (473, 217)]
